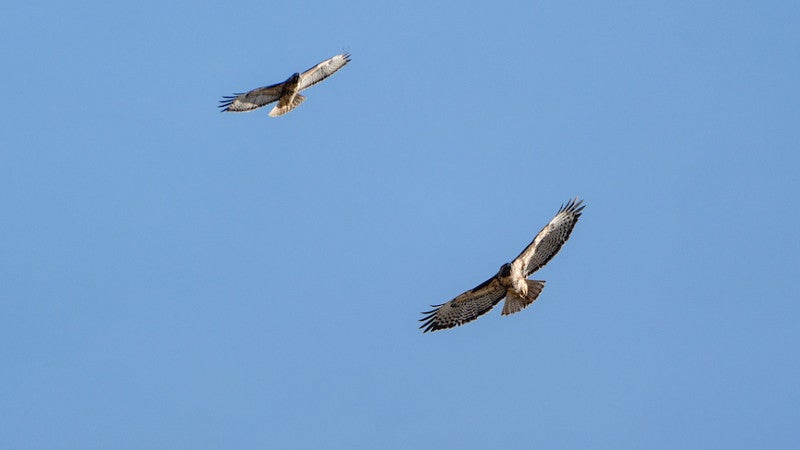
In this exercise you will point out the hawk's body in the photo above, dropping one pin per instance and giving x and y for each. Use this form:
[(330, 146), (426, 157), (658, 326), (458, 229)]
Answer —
[(287, 94), (511, 281)]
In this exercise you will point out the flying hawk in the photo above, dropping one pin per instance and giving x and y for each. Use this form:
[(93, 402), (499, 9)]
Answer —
[(510, 281), (287, 94)]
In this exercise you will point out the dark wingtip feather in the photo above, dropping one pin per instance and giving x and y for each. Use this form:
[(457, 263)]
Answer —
[(429, 326), (429, 320), (434, 326), (227, 101), (573, 206), (428, 314)]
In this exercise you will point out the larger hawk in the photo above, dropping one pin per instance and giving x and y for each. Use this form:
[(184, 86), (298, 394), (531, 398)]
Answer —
[(511, 281), (287, 94)]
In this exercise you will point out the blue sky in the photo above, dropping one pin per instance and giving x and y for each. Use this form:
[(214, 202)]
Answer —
[(173, 277)]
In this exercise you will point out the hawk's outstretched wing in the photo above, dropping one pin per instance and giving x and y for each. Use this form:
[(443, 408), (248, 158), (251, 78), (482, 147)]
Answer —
[(466, 307), (254, 99), (549, 241), (322, 70)]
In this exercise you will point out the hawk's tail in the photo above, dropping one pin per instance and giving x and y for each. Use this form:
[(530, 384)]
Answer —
[(515, 303), (284, 106)]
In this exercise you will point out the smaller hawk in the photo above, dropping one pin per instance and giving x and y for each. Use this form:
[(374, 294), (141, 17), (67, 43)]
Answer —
[(287, 94), (511, 281)]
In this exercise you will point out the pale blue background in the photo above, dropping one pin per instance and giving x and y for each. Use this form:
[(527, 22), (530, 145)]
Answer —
[(173, 277)]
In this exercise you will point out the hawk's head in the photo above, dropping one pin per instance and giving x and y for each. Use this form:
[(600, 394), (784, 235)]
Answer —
[(505, 271)]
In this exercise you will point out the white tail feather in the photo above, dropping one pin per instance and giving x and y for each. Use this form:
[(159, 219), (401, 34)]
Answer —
[(284, 107), (515, 303)]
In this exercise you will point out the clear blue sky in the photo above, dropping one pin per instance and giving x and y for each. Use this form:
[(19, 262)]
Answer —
[(173, 277)]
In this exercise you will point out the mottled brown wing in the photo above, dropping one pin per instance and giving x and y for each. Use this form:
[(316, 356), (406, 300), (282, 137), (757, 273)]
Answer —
[(254, 99), (465, 308), (322, 70), (549, 241)]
